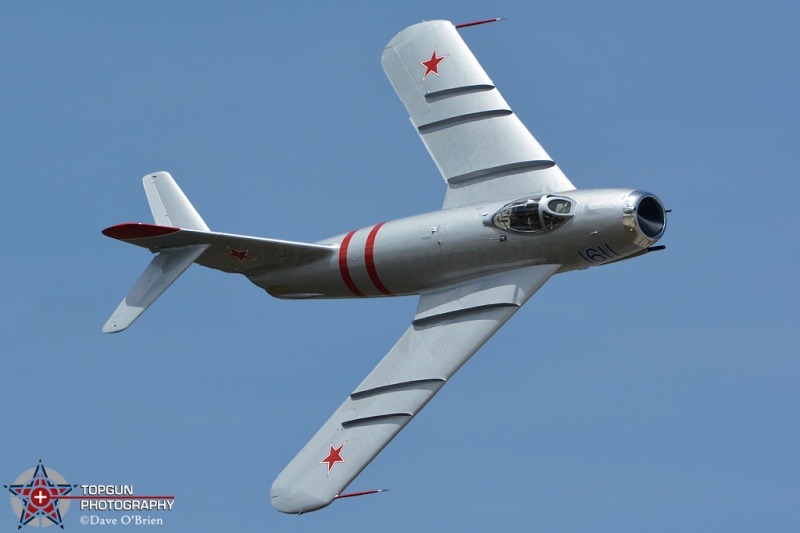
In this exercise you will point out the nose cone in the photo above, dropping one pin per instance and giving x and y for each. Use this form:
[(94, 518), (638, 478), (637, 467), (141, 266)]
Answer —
[(644, 217)]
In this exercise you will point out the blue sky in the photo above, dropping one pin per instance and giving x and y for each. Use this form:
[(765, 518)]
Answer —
[(659, 394)]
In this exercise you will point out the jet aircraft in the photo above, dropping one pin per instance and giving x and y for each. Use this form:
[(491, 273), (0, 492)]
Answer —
[(510, 220)]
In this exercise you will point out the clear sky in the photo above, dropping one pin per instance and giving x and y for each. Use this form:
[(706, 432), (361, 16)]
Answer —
[(659, 394)]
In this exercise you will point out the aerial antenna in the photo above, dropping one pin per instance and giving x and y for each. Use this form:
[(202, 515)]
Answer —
[(477, 22), (362, 493)]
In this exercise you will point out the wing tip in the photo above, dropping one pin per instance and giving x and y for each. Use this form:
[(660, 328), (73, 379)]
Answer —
[(298, 505), (122, 317)]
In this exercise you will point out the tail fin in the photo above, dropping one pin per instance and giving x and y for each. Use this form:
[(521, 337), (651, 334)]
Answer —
[(170, 207)]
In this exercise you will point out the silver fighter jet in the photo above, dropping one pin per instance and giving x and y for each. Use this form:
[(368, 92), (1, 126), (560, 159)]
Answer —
[(510, 220)]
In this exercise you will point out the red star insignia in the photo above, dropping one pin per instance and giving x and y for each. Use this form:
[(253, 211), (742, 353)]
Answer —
[(240, 255), (334, 456), (432, 64)]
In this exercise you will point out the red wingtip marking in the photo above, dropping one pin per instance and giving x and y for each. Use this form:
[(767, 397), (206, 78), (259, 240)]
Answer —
[(137, 230)]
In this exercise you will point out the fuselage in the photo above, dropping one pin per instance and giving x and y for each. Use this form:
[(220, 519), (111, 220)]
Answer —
[(423, 252)]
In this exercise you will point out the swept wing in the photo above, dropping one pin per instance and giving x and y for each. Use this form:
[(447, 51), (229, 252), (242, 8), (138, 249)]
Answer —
[(450, 325), (481, 148), (484, 153)]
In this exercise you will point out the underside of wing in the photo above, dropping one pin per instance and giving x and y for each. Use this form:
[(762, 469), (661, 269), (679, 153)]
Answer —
[(449, 327), (481, 148)]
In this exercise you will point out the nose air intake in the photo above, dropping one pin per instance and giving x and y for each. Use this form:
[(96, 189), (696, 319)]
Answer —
[(645, 218), (651, 217)]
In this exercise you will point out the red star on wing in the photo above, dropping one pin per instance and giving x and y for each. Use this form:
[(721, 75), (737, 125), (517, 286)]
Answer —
[(240, 255), (432, 64), (334, 456)]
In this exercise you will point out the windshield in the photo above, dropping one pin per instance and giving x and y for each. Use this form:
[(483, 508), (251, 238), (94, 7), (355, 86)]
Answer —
[(519, 216), (532, 215)]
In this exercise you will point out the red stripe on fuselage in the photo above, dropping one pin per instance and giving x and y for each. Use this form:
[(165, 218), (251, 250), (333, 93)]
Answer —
[(348, 280), (369, 260)]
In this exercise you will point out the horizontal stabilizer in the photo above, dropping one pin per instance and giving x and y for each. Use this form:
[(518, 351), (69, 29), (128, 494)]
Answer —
[(180, 237), (157, 277), (224, 251)]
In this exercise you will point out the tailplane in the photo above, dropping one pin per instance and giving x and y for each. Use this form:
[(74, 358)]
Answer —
[(180, 237), (159, 274), (171, 208)]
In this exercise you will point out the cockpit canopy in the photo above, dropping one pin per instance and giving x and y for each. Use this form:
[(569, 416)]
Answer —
[(534, 215)]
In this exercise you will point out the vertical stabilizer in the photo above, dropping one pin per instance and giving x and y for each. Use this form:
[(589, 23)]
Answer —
[(172, 209), (169, 205)]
